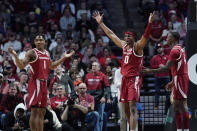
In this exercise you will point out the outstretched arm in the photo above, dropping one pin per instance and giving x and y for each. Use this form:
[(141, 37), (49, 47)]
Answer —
[(53, 65), (165, 68), (142, 42), (29, 57), (110, 34)]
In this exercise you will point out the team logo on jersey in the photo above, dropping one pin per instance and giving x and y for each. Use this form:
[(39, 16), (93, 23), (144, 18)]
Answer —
[(192, 72)]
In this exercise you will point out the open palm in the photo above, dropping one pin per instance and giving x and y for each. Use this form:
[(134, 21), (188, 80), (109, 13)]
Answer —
[(69, 55), (151, 17), (98, 17)]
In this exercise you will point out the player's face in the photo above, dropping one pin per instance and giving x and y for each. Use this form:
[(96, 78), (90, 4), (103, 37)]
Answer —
[(128, 38), (39, 42)]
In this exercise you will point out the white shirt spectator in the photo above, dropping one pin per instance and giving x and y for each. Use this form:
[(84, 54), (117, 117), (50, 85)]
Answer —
[(72, 7), (79, 12), (117, 81), (64, 21), (16, 45)]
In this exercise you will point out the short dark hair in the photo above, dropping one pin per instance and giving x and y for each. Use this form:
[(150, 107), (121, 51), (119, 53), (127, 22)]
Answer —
[(175, 35)]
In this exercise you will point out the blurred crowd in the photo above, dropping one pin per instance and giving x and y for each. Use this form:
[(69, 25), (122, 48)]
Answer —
[(83, 91)]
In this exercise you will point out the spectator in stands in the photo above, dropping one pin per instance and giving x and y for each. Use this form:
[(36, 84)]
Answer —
[(67, 19), (99, 33), (117, 84), (155, 33), (99, 45), (76, 113), (3, 85), (12, 42), (62, 78), (83, 9), (77, 63), (175, 22), (53, 91), (23, 82), (107, 56), (88, 52), (17, 120), (83, 22), (98, 86), (9, 75), (49, 18), (159, 60), (58, 41), (57, 102), (182, 32), (32, 21), (166, 32), (57, 52), (27, 46), (69, 4), (9, 102)]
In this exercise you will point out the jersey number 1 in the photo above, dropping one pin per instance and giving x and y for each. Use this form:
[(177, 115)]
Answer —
[(44, 64), (126, 59)]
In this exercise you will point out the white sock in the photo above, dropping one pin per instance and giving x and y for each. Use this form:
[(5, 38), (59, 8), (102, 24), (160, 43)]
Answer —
[(186, 129), (179, 129)]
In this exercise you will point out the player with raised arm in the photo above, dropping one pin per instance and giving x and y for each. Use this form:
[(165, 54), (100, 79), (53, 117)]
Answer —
[(40, 63), (132, 63), (178, 64)]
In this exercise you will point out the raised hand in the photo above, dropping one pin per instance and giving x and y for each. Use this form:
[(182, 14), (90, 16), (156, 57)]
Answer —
[(69, 55), (98, 17), (150, 19), (11, 50)]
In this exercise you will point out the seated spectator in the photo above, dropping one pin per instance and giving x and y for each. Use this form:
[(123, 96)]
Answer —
[(155, 33), (166, 31), (106, 58), (23, 82), (12, 42), (76, 112), (3, 85), (82, 10), (9, 102), (17, 120), (87, 54), (9, 75), (57, 102), (67, 19), (175, 22), (69, 4), (63, 78), (49, 18), (58, 41), (182, 32), (99, 32)]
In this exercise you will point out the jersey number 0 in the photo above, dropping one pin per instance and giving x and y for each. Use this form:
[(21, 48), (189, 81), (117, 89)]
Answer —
[(126, 59)]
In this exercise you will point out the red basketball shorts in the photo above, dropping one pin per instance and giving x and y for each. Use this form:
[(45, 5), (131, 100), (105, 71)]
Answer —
[(37, 94), (180, 86), (130, 88)]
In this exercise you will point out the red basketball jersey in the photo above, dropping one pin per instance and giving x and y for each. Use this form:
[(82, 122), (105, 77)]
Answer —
[(40, 66), (178, 56), (131, 62)]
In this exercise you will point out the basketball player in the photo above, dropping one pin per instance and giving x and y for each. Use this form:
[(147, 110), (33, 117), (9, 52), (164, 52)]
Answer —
[(40, 63), (178, 64), (132, 62)]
